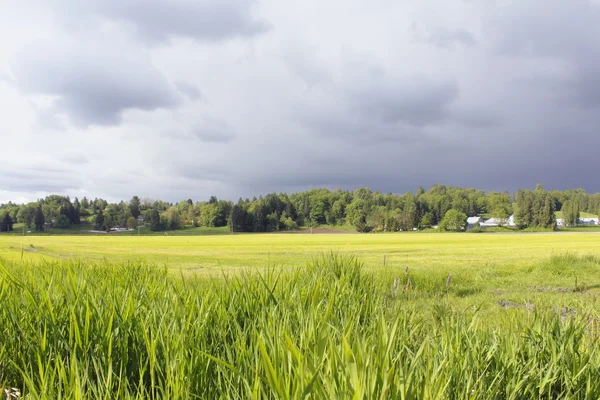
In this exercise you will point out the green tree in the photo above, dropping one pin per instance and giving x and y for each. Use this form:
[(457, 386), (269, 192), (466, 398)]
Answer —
[(571, 213), (132, 223), (134, 206), (453, 221), (288, 223), (26, 214), (317, 212), (524, 209), (154, 220), (549, 212), (99, 220), (409, 217), (39, 219), (62, 221), (357, 215), (426, 221), (171, 219), (501, 213), (6, 223), (239, 218)]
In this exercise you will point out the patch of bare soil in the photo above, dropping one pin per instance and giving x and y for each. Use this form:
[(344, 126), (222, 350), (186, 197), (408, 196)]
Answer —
[(511, 304)]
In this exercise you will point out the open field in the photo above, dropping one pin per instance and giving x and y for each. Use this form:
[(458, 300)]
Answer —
[(418, 250), (582, 214), (244, 316)]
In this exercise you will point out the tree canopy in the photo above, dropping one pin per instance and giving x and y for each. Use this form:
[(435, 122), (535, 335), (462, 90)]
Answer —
[(362, 208)]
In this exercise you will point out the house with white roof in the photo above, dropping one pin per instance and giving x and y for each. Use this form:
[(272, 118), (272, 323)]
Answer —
[(582, 221), (510, 221), (472, 221)]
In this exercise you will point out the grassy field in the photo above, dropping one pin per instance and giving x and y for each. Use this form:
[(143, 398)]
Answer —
[(418, 250), (407, 316), (582, 214)]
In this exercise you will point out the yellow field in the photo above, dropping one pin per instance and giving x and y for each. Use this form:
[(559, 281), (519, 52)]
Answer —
[(243, 251)]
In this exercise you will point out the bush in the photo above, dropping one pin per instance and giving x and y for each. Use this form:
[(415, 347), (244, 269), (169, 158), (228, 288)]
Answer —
[(62, 221), (132, 223)]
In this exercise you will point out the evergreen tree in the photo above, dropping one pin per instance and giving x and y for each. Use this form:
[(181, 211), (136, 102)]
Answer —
[(549, 216), (6, 223), (154, 220), (259, 217), (238, 218), (76, 212), (134, 206), (39, 219), (99, 221)]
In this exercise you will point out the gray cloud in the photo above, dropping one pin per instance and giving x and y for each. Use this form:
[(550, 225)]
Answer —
[(526, 30), (208, 131), (443, 37), (38, 179), (498, 95), (93, 81), (75, 158), (417, 101), (213, 131), (189, 89), (158, 20)]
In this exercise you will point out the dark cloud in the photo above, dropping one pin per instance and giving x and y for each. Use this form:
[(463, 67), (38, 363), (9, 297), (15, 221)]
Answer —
[(500, 95), (189, 89), (417, 101), (158, 20), (200, 171), (562, 35), (93, 81)]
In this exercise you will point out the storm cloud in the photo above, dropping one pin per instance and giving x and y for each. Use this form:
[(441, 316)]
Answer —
[(187, 99)]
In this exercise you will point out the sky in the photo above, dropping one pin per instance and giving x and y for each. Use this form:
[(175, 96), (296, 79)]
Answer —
[(178, 99)]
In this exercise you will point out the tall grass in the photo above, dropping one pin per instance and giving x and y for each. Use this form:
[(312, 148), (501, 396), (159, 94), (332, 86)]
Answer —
[(326, 331)]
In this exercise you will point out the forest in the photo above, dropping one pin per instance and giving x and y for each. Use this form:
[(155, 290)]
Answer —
[(441, 206)]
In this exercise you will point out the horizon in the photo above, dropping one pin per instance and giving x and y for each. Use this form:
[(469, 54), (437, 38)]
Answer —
[(257, 196)]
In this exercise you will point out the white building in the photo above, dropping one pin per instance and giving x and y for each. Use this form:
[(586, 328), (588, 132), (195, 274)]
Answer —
[(581, 221), (510, 221), (471, 221)]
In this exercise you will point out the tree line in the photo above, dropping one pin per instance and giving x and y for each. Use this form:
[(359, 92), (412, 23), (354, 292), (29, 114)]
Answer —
[(444, 206)]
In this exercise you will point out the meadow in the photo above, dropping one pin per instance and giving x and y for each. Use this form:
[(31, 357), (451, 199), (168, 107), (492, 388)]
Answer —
[(407, 316)]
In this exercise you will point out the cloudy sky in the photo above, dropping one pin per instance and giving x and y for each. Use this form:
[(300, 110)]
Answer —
[(178, 99)]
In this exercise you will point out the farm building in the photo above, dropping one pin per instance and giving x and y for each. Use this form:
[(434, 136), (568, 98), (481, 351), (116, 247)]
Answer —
[(510, 221), (581, 221), (472, 221)]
